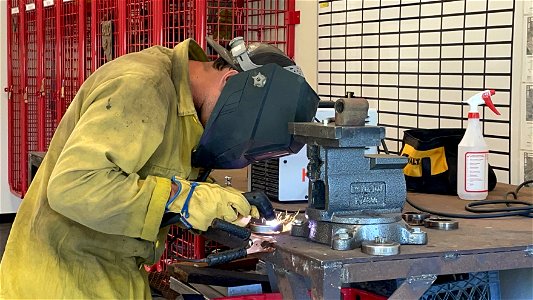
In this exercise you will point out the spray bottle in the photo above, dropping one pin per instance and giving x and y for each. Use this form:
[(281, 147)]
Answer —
[(473, 153)]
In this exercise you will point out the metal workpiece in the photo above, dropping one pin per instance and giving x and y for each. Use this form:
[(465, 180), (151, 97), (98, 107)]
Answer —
[(332, 135), (415, 218), (300, 228), (381, 247), (441, 223), (351, 111)]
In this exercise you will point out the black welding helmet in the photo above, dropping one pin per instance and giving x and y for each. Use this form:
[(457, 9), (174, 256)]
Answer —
[(250, 119)]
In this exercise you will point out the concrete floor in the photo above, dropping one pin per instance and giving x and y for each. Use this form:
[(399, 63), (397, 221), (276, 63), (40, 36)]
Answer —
[(4, 233)]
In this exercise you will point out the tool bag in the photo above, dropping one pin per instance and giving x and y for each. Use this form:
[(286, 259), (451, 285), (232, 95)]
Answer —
[(432, 160)]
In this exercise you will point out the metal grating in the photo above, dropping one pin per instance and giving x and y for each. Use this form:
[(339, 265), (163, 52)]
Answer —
[(69, 46), (416, 62), (31, 90), (16, 94), (106, 43), (178, 21), (49, 73), (264, 176), (139, 25), (88, 41)]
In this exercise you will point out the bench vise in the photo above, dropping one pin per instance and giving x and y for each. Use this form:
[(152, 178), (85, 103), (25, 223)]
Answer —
[(353, 197)]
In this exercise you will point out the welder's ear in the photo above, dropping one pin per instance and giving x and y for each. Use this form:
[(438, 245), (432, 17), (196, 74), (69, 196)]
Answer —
[(227, 75)]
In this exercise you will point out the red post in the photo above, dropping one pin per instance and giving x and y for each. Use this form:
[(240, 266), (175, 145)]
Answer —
[(121, 20), (41, 104), (81, 42), (292, 18), (60, 88), (157, 38), (94, 27), (201, 23), (24, 103)]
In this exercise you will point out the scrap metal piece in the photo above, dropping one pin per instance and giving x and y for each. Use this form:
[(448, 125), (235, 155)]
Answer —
[(266, 227), (441, 224), (380, 246), (415, 218)]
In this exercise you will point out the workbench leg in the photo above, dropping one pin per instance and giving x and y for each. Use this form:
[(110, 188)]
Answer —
[(272, 278), (327, 283), (413, 287), (291, 285)]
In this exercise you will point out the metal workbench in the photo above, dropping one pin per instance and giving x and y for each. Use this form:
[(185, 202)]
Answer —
[(478, 245)]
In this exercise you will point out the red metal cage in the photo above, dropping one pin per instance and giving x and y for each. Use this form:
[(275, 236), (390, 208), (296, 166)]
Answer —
[(54, 45)]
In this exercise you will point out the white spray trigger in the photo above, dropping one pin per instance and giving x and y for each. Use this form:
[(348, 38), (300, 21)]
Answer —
[(482, 98)]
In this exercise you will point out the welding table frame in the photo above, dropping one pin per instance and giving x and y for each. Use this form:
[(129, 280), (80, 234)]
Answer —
[(478, 245)]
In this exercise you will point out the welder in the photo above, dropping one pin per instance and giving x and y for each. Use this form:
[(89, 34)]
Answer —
[(130, 148)]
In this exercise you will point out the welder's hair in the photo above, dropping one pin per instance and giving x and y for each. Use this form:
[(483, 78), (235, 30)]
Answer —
[(220, 64)]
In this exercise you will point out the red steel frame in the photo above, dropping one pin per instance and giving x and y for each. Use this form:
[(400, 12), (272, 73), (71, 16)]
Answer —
[(53, 48)]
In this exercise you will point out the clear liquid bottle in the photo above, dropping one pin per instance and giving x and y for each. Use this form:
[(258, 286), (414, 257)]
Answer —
[(473, 153)]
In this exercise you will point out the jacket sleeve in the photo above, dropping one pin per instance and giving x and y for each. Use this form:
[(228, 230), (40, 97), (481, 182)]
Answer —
[(95, 180)]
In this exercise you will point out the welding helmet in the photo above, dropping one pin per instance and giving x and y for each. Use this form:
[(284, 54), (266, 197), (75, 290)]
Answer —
[(250, 120)]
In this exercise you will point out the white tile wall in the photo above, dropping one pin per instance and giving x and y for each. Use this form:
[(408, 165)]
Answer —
[(416, 62)]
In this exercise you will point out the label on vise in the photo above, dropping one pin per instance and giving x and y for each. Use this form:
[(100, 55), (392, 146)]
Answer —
[(368, 193)]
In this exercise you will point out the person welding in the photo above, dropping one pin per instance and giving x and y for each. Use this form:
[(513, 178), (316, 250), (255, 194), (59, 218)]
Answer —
[(133, 146)]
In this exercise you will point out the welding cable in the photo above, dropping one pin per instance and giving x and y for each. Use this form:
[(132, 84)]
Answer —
[(525, 209)]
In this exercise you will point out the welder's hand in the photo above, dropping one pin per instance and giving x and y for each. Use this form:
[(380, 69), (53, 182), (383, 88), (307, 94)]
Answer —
[(200, 203)]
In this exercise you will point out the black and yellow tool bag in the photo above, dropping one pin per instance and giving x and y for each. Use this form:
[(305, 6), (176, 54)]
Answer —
[(432, 160)]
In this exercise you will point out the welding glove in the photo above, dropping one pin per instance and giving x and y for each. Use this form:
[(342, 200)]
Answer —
[(200, 203)]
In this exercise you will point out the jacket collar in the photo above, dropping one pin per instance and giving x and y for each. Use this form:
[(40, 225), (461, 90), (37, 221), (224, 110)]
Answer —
[(182, 53)]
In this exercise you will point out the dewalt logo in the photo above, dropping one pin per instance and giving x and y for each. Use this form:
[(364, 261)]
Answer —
[(414, 160)]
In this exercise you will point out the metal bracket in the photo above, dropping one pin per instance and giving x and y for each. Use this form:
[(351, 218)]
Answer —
[(292, 17), (414, 287), (449, 256), (529, 251)]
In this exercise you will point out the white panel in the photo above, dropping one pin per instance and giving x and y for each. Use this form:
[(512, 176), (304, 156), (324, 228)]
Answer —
[(353, 41), (370, 66), (407, 25), (408, 107), (453, 7), (477, 20), (408, 80), (389, 40), (370, 79), (324, 66), (450, 110), (455, 36), (324, 31), (408, 121), (428, 94), (388, 79), (449, 123), (371, 27), (504, 114), (498, 160), (428, 109), (324, 42), (354, 4), (501, 18), (324, 89), (499, 50), (429, 52), (452, 66), (388, 66), (452, 22), (472, 36), (390, 106), (355, 16), (410, 11), (369, 92), (498, 66), (354, 28), (430, 38), (408, 66), (428, 123), (473, 81), (451, 81), (338, 6), (408, 93), (390, 12), (496, 144), (501, 98), (338, 91), (338, 29), (474, 66), (339, 17), (353, 78), (477, 5), (431, 9), (428, 80), (429, 66), (452, 52), (353, 66), (388, 92), (451, 96), (371, 40), (353, 54), (499, 34), (338, 66), (497, 82), (390, 26), (472, 51), (337, 78), (334, 54), (409, 39), (370, 53), (409, 52), (338, 42), (370, 14), (324, 19), (495, 128)]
